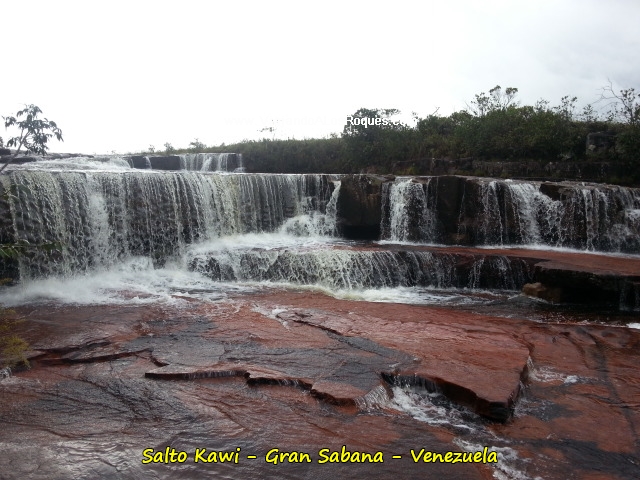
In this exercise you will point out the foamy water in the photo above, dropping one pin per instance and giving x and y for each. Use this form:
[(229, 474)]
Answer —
[(136, 280), (133, 282), (95, 164), (471, 432)]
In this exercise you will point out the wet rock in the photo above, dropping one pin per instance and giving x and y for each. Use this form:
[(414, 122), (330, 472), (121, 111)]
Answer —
[(488, 211), (337, 393), (22, 159), (630, 296), (110, 352), (182, 372), (257, 375), (169, 162), (558, 277), (555, 191), (481, 370), (139, 161), (539, 290), (74, 344), (577, 418), (359, 206), (563, 276), (585, 284), (370, 267), (449, 194)]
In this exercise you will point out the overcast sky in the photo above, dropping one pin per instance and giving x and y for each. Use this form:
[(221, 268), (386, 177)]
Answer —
[(120, 76)]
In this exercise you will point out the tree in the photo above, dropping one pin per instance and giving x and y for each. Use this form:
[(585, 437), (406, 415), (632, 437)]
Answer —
[(372, 138), (496, 100), (168, 149), (197, 146), (365, 121), (34, 132), (496, 126), (437, 133), (624, 106)]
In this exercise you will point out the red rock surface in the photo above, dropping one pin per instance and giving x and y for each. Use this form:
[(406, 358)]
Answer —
[(481, 368), (302, 371), (592, 262)]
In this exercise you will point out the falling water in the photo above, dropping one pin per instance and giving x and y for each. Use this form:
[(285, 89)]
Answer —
[(284, 228), (408, 211), (338, 267), (132, 237), (100, 218), (505, 212), (212, 162)]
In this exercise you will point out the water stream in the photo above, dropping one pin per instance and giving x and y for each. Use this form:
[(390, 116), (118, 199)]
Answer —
[(133, 241)]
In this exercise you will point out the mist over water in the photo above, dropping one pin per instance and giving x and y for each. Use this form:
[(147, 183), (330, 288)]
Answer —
[(138, 281), (130, 235)]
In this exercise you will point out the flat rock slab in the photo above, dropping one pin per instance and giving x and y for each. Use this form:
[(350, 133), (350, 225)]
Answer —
[(102, 354), (481, 368), (182, 372), (301, 371), (572, 277), (338, 393), (265, 350)]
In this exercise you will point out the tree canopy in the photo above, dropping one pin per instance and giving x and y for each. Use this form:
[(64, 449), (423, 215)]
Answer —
[(34, 132)]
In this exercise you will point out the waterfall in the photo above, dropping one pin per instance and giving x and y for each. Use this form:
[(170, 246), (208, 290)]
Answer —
[(408, 211), (100, 218), (492, 229), (517, 213), (505, 212), (332, 268), (335, 267), (108, 214), (314, 223), (212, 162), (141, 161)]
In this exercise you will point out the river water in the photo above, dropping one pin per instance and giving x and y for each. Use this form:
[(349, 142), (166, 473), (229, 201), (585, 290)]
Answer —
[(237, 289)]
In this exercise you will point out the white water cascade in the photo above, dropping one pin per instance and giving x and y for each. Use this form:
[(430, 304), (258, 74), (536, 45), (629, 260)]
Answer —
[(100, 218), (505, 212), (212, 162), (411, 210)]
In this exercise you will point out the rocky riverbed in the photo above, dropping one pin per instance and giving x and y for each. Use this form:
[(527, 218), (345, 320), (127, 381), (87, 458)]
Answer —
[(300, 372)]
